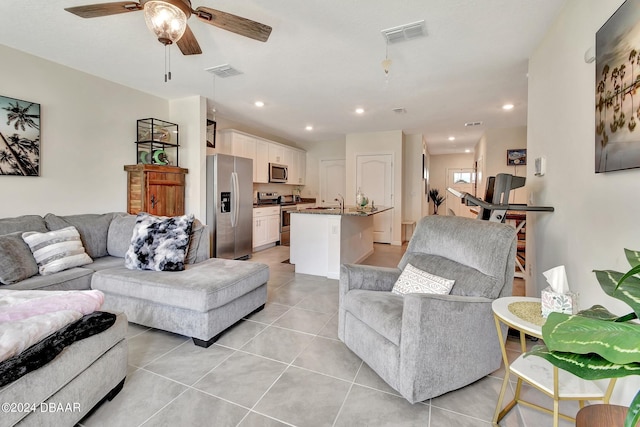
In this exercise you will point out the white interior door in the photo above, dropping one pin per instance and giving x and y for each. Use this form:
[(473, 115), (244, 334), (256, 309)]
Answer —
[(374, 176), (332, 181), (462, 180)]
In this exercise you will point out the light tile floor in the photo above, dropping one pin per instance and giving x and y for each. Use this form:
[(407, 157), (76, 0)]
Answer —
[(285, 366)]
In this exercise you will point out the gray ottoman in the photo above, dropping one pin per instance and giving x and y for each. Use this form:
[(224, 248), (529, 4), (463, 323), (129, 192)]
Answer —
[(200, 302)]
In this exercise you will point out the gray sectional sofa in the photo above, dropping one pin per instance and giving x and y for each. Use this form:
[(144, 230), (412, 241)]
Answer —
[(200, 302), (209, 296)]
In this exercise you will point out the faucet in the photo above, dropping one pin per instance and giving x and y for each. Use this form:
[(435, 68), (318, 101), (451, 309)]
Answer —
[(341, 202)]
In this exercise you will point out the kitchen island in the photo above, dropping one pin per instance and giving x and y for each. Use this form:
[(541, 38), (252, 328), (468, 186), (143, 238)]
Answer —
[(324, 238)]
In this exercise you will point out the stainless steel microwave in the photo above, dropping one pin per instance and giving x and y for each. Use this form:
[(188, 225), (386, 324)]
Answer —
[(278, 173)]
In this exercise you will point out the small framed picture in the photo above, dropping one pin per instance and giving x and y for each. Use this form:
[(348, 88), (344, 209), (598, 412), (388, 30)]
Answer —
[(211, 133), (517, 157), (19, 137)]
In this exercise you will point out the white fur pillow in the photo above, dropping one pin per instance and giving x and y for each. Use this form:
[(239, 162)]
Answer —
[(159, 243), (57, 250), (416, 281)]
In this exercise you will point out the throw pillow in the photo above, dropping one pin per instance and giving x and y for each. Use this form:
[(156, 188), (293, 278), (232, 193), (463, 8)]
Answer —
[(120, 232), (416, 281), (197, 231), (159, 243), (93, 229), (16, 261), (23, 223), (58, 250)]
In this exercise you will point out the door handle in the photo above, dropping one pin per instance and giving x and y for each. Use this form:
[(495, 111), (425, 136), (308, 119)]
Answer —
[(235, 202)]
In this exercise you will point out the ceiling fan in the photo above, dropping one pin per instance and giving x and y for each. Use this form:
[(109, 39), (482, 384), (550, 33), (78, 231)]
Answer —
[(168, 20)]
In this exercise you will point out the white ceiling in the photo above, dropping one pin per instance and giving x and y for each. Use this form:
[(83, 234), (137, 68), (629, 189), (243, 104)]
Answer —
[(323, 60)]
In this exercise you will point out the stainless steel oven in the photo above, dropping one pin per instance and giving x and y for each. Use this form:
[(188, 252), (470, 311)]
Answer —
[(285, 224)]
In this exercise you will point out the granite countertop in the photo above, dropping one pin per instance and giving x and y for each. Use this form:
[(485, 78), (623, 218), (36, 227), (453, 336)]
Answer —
[(348, 211)]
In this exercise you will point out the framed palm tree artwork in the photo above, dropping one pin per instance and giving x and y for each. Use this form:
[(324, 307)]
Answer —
[(19, 137), (617, 112)]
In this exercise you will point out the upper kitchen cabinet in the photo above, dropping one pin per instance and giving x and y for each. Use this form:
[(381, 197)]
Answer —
[(263, 152), (277, 154), (241, 144), (298, 168), (261, 162)]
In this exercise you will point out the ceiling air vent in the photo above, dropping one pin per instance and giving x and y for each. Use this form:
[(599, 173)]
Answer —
[(224, 71), (405, 32), (399, 110), (469, 124)]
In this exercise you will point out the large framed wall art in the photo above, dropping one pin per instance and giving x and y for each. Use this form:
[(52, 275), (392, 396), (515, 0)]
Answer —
[(617, 109), (19, 137)]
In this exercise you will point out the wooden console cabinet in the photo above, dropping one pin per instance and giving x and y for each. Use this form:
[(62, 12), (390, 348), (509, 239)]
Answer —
[(156, 189)]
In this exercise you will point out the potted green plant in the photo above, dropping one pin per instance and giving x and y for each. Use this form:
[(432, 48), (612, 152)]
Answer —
[(436, 198), (595, 343)]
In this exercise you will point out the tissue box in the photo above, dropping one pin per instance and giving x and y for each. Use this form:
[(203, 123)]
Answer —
[(561, 303)]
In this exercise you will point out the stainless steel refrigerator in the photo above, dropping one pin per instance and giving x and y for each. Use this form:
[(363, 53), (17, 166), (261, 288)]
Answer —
[(230, 205)]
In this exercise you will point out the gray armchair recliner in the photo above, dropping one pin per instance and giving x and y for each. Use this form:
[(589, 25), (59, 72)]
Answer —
[(424, 345)]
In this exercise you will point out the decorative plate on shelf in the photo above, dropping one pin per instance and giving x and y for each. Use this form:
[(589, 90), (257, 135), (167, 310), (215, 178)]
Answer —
[(143, 157), (160, 157)]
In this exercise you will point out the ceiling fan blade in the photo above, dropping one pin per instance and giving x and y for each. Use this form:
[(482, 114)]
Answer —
[(104, 9), (236, 24), (188, 44)]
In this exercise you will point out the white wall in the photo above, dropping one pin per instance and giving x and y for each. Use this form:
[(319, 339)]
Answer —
[(413, 186), (380, 143), (596, 216), (438, 166), (190, 114), (88, 126)]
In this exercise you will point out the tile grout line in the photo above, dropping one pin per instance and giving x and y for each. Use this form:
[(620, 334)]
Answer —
[(166, 352), (159, 410), (252, 409), (189, 387), (347, 395)]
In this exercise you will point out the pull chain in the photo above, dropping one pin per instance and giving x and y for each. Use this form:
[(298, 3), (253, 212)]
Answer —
[(167, 63)]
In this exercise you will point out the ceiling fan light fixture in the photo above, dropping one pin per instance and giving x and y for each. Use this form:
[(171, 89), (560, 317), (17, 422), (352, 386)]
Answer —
[(167, 21)]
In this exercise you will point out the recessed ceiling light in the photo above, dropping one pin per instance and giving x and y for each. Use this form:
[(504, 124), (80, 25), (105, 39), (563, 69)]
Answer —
[(467, 151), (507, 107), (259, 104), (452, 138), (309, 127), (359, 110)]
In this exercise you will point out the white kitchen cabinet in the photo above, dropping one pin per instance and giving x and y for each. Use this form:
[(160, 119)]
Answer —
[(301, 164), (288, 157), (266, 226), (291, 156), (273, 228), (261, 162), (263, 152), (243, 145), (223, 144), (276, 153), (296, 160)]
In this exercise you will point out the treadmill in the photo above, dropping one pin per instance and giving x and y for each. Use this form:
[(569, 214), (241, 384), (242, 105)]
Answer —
[(496, 203)]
